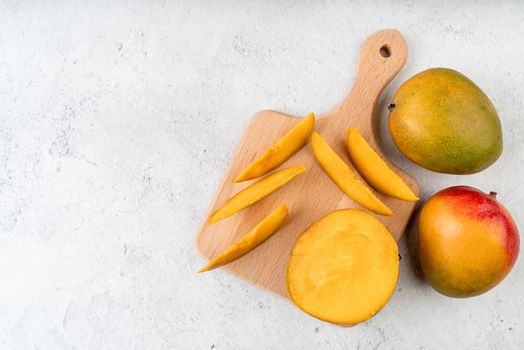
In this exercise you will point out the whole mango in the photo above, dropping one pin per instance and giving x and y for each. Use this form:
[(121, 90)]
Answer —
[(443, 122), (467, 241)]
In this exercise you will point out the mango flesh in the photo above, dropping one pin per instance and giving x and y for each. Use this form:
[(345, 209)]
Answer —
[(375, 170), (343, 176), (344, 268), (256, 192), (443, 122), (262, 231), (280, 151), (467, 242)]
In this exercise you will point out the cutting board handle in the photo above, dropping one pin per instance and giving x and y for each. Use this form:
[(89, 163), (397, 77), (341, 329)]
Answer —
[(382, 56)]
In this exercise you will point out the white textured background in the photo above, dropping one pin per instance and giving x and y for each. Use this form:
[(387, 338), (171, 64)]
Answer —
[(117, 123)]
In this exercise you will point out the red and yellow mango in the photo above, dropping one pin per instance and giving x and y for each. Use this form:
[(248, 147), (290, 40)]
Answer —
[(467, 241)]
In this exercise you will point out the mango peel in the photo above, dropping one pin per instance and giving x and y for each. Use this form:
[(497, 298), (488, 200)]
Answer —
[(467, 241), (444, 122)]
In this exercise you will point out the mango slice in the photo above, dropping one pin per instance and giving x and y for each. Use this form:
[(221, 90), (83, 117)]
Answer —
[(255, 192), (374, 170), (280, 151), (344, 268), (262, 231), (343, 176)]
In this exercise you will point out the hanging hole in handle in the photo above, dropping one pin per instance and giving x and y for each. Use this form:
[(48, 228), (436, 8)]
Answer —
[(384, 51)]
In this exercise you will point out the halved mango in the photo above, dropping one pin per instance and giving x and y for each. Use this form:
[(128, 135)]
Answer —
[(343, 176), (374, 170), (262, 231), (280, 151), (255, 192), (344, 268)]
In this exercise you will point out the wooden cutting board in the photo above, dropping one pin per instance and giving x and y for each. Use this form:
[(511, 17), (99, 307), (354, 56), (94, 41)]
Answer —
[(311, 194)]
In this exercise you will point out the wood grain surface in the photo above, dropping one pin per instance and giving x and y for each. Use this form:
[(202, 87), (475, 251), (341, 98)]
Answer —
[(312, 194)]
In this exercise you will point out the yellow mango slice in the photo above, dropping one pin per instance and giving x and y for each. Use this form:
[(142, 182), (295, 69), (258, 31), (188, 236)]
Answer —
[(344, 268), (374, 170), (262, 231), (280, 151), (343, 176), (255, 192)]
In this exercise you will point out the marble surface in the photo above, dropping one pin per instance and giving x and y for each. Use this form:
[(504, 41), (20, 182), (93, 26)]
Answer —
[(117, 122)]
